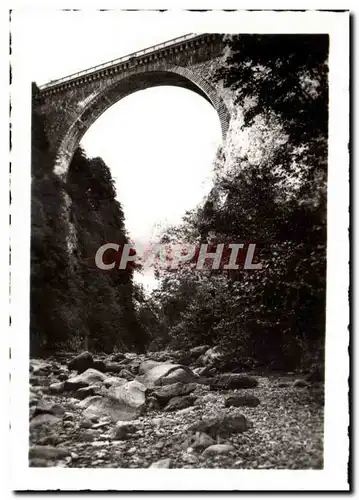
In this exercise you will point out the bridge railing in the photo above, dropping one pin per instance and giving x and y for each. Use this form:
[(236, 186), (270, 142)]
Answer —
[(120, 60)]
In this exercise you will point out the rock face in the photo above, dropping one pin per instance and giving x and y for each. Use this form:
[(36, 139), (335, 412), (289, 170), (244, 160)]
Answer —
[(81, 362)]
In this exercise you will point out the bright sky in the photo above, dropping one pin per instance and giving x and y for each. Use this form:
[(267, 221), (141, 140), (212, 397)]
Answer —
[(159, 143)]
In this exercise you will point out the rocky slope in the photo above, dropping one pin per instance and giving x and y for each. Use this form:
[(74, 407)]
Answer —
[(170, 410)]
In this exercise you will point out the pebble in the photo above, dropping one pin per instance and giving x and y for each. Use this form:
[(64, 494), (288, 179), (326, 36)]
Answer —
[(218, 449), (164, 463)]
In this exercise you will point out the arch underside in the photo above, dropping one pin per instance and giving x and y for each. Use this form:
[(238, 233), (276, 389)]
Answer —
[(179, 77)]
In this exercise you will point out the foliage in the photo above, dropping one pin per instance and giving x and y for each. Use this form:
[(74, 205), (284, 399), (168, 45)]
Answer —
[(272, 193), (73, 303)]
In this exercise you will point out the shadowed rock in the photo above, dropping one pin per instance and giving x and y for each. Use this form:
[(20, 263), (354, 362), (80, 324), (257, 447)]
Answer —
[(81, 362), (167, 392), (166, 373), (89, 377), (222, 425), (245, 400)]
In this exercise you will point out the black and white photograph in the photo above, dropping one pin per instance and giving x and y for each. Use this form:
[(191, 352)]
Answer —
[(183, 296)]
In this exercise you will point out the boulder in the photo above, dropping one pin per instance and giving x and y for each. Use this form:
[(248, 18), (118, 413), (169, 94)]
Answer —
[(99, 365), (167, 392), (202, 371), (131, 394), (199, 350), (114, 381), (117, 357), (212, 355), (57, 388), (199, 441), (114, 367), (221, 425), (89, 377), (179, 403), (147, 365), (85, 392), (44, 419), (126, 374), (124, 402), (47, 406), (123, 430), (245, 400), (166, 373), (81, 362), (131, 356), (89, 401), (38, 367)]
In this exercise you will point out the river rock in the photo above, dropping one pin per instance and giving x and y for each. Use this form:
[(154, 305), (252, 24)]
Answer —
[(48, 452), (147, 365), (85, 392), (218, 449), (164, 463), (88, 401), (47, 406), (81, 362), (245, 400), (114, 381), (178, 403), (231, 381), (123, 430), (167, 392), (57, 388), (114, 367), (89, 377), (44, 419), (221, 425), (124, 402), (198, 350), (166, 373), (198, 441)]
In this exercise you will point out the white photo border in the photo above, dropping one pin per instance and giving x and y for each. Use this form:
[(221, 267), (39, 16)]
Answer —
[(336, 447)]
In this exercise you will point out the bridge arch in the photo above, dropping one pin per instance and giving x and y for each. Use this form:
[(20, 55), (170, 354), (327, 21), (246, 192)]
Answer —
[(93, 106)]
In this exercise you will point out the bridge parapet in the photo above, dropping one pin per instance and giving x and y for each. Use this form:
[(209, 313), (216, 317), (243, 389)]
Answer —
[(140, 57)]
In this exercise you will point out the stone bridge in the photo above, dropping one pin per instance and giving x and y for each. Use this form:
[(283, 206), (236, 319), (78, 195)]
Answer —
[(71, 104)]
